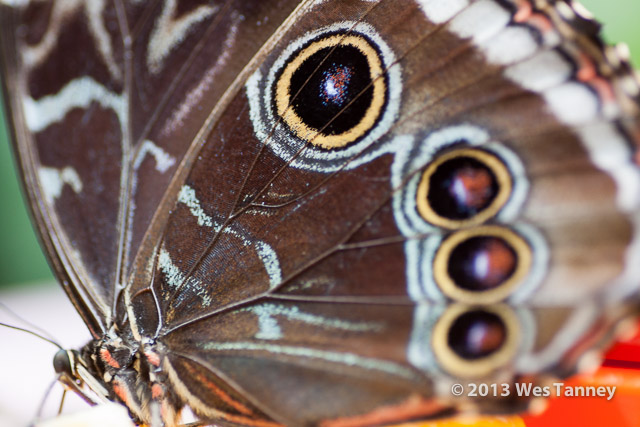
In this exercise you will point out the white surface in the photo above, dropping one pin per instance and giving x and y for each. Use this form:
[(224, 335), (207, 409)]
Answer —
[(107, 415), (26, 367)]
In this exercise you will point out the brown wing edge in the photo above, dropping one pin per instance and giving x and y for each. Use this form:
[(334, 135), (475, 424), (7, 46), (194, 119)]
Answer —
[(24, 160)]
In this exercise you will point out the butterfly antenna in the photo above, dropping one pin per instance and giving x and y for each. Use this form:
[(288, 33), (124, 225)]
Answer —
[(18, 328), (38, 416), (41, 332)]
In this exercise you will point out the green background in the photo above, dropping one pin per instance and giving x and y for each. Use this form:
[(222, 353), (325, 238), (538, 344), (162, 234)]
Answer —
[(21, 259)]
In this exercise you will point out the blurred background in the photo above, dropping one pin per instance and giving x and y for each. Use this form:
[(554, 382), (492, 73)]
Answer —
[(28, 287)]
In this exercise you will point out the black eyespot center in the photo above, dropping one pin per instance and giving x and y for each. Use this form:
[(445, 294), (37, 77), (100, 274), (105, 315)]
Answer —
[(482, 263), (333, 90), (476, 334), (462, 187), (332, 80)]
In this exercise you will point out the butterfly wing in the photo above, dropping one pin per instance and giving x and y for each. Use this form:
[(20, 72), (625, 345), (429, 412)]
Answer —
[(316, 229), (305, 262), (53, 175), (96, 141)]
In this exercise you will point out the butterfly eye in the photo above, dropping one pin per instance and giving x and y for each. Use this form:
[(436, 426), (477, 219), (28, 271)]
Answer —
[(62, 362), (473, 341), (332, 91), (481, 265), (462, 188)]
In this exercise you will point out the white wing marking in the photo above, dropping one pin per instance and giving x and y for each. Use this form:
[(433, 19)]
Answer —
[(168, 33), (163, 159), (52, 181)]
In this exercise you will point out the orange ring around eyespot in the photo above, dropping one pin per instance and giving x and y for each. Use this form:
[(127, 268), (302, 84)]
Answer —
[(458, 366), (457, 293), (373, 113), (497, 167)]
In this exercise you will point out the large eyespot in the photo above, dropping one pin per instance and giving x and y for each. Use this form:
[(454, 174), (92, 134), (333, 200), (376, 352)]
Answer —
[(472, 341), (328, 100), (481, 265), (332, 92), (462, 188)]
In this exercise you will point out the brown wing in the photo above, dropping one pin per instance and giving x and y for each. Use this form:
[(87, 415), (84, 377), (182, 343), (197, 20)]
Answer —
[(349, 256), (380, 185), (96, 137)]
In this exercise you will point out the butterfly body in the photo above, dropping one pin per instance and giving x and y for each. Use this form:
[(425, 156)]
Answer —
[(327, 212), (131, 372)]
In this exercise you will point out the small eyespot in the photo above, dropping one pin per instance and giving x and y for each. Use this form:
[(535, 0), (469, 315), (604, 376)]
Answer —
[(473, 341), (462, 188), (481, 265), (333, 91)]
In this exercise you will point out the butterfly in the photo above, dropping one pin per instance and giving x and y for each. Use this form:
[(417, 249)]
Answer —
[(326, 212)]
